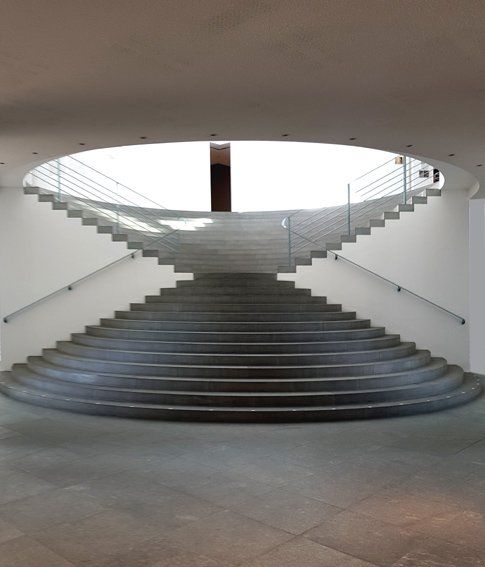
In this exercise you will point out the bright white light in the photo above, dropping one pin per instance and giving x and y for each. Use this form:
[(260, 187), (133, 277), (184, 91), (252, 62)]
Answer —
[(177, 176), (264, 175), (293, 175), (186, 224)]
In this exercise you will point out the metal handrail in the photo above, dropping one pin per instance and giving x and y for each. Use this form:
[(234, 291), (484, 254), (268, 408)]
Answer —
[(120, 184), (103, 190), (398, 287), (71, 286), (95, 196), (137, 227), (372, 170), (392, 174), (363, 199), (95, 189)]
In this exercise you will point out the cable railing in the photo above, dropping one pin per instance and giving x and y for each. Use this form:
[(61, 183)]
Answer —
[(113, 204), (71, 286), (398, 287), (369, 196)]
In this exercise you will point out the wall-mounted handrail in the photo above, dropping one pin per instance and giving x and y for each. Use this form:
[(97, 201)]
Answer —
[(72, 285), (398, 287)]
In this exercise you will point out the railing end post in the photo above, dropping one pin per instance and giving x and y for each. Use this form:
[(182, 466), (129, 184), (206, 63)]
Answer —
[(69, 287), (133, 256), (5, 320), (336, 257), (398, 288), (463, 321)]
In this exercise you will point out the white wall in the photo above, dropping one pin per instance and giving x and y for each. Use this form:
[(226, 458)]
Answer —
[(425, 251), (42, 250), (477, 285)]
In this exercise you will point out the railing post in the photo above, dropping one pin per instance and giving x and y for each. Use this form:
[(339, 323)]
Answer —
[(404, 170), (117, 209), (289, 241), (348, 209), (59, 184)]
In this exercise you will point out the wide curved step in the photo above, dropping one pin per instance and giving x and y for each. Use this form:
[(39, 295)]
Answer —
[(242, 347), (469, 390)]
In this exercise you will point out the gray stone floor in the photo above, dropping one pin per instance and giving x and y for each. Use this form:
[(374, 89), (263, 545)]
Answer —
[(99, 492)]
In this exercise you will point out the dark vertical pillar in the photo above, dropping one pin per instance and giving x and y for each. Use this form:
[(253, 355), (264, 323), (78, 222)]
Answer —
[(220, 187), (221, 177)]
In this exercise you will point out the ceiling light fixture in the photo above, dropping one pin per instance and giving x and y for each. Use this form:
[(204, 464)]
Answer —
[(352, 139), (451, 155)]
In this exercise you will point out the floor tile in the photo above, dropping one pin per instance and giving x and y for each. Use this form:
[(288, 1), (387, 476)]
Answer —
[(123, 489), (403, 509), (229, 537), (305, 553), (39, 512), (438, 446), (96, 537), (474, 452), (25, 552), (366, 538), (436, 553), (69, 468), (225, 489), (17, 446), (467, 529), (157, 552), (272, 471), (18, 485), (8, 531), (6, 432), (326, 487), (177, 471), (287, 511), (169, 514)]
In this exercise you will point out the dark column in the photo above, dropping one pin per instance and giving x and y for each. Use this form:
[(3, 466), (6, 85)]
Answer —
[(221, 177)]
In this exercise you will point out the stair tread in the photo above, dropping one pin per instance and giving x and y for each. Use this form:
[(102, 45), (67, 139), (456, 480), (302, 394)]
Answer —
[(238, 344), (418, 354), (469, 384), (451, 371)]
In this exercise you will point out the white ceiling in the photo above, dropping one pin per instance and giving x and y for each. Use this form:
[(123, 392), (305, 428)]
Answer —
[(106, 73)]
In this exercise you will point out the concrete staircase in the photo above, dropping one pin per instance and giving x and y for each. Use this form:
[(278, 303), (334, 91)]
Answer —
[(238, 347), (235, 242)]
